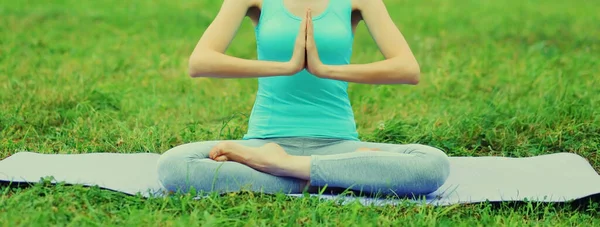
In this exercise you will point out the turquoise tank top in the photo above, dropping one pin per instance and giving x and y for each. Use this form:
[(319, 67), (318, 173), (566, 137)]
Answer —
[(303, 105)]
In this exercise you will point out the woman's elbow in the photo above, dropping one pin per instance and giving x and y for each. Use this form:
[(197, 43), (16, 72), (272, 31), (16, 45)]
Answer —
[(415, 76), (412, 74), (201, 64), (196, 66)]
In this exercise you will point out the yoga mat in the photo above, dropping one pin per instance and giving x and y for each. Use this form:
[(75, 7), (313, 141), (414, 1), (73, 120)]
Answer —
[(559, 177)]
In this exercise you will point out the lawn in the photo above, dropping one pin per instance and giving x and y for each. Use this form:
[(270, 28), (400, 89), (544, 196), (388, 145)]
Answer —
[(503, 78)]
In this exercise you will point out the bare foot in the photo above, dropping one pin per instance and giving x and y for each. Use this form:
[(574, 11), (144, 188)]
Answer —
[(362, 149), (269, 158)]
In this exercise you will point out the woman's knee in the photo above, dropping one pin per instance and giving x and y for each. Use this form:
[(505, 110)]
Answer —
[(183, 153), (436, 168), (173, 165)]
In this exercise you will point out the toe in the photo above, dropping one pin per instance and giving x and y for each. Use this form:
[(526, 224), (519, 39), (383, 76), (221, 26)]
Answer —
[(222, 158), (215, 152)]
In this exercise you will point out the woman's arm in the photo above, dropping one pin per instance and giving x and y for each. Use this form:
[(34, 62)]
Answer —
[(208, 58), (400, 65)]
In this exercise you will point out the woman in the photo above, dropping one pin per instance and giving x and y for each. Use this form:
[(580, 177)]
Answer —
[(301, 131)]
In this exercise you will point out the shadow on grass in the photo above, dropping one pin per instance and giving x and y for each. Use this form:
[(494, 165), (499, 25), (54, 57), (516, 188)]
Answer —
[(588, 204)]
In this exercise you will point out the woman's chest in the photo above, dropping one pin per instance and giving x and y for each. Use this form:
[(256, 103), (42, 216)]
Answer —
[(297, 9)]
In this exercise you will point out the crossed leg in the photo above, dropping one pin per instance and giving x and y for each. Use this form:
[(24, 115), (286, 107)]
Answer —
[(380, 168), (258, 165), (188, 167)]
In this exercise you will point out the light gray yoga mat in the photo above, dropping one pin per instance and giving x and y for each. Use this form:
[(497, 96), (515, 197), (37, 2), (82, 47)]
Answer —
[(560, 177)]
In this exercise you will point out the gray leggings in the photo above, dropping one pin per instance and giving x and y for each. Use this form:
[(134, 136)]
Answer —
[(402, 170)]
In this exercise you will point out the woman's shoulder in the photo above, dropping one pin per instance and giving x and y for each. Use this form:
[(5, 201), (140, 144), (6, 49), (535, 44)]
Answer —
[(359, 4), (254, 3), (246, 3), (356, 4)]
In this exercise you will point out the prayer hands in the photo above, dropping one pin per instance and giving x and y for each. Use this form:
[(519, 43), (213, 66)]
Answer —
[(298, 61), (313, 62), (305, 54)]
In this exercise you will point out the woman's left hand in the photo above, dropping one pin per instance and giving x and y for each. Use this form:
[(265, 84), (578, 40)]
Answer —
[(313, 62)]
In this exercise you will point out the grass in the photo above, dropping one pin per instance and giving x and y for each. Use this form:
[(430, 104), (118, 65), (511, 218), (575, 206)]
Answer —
[(506, 78)]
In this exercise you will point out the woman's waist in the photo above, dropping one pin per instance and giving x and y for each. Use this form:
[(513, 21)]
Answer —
[(330, 131), (303, 109)]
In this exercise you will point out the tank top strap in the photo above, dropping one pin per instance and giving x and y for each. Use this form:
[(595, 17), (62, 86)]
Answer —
[(269, 8), (342, 8)]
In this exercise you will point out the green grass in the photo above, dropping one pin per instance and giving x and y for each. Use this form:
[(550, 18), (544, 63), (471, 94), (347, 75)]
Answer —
[(507, 78)]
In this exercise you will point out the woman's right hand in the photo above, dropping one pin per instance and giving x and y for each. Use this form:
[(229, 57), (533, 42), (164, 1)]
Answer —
[(298, 60)]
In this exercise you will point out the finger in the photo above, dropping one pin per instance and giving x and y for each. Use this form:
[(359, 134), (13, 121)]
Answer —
[(302, 34), (301, 38), (309, 29), (305, 23), (310, 39), (302, 25), (306, 13)]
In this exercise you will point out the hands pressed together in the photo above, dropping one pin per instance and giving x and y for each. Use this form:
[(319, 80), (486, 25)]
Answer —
[(305, 54)]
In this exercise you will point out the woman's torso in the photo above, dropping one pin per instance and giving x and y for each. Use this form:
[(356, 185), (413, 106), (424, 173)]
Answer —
[(303, 105)]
